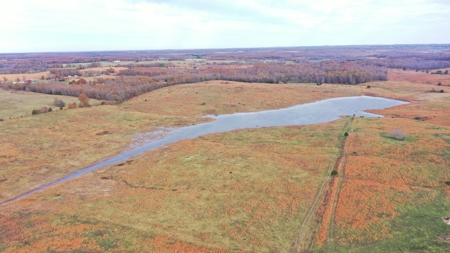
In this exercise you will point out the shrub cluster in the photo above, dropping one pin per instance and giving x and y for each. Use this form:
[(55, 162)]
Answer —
[(72, 105), (42, 110), (434, 90), (398, 134), (59, 103)]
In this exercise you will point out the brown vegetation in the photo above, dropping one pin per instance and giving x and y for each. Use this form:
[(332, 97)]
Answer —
[(136, 81), (25, 139), (418, 77), (247, 190), (243, 191), (84, 100), (381, 177)]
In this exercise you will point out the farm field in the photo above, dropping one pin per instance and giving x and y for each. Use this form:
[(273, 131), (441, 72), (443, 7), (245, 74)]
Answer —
[(34, 76), (255, 190), (185, 63), (38, 76)]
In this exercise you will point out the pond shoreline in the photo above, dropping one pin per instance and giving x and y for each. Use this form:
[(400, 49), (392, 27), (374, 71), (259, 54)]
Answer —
[(318, 112)]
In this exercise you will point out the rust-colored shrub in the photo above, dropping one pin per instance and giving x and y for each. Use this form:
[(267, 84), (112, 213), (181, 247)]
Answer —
[(72, 105), (84, 100)]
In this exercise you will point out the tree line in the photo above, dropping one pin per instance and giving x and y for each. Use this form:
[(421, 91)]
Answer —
[(323, 72), (136, 81)]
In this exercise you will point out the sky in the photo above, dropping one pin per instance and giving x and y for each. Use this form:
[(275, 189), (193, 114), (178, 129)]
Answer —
[(99, 25)]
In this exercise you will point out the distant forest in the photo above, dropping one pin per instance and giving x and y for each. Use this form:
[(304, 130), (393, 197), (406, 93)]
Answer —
[(143, 71)]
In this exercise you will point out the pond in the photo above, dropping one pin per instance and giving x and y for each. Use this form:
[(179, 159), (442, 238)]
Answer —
[(311, 113)]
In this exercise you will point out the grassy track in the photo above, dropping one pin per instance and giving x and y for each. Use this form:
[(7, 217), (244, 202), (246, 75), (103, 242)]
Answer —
[(393, 195), (308, 230)]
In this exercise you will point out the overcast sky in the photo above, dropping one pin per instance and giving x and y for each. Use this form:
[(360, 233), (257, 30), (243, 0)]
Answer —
[(92, 25)]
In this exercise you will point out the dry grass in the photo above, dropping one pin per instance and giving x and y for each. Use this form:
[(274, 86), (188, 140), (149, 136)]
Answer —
[(37, 76), (116, 69), (183, 198), (17, 104), (44, 147), (220, 98), (394, 191), (33, 76), (418, 77), (52, 145), (246, 190), (384, 177)]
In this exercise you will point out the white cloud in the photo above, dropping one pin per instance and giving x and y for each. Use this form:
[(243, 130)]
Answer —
[(53, 25)]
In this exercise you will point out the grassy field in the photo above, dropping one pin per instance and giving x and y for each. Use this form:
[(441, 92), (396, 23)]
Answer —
[(42, 148), (394, 192), (217, 97), (34, 76), (419, 77), (37, 76), (184, 63), (17, 104), (244, 191), (256, 190)]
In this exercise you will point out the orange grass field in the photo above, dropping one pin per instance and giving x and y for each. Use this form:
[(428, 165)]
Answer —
[(255, 190), (38, 149)]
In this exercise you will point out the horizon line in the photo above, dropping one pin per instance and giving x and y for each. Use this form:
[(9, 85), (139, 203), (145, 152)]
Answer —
[(222, 48)]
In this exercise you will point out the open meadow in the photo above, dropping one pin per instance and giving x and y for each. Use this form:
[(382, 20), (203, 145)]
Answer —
[(254, 190), (19, 104), (53, 144), (393, 189), (19, 77)]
